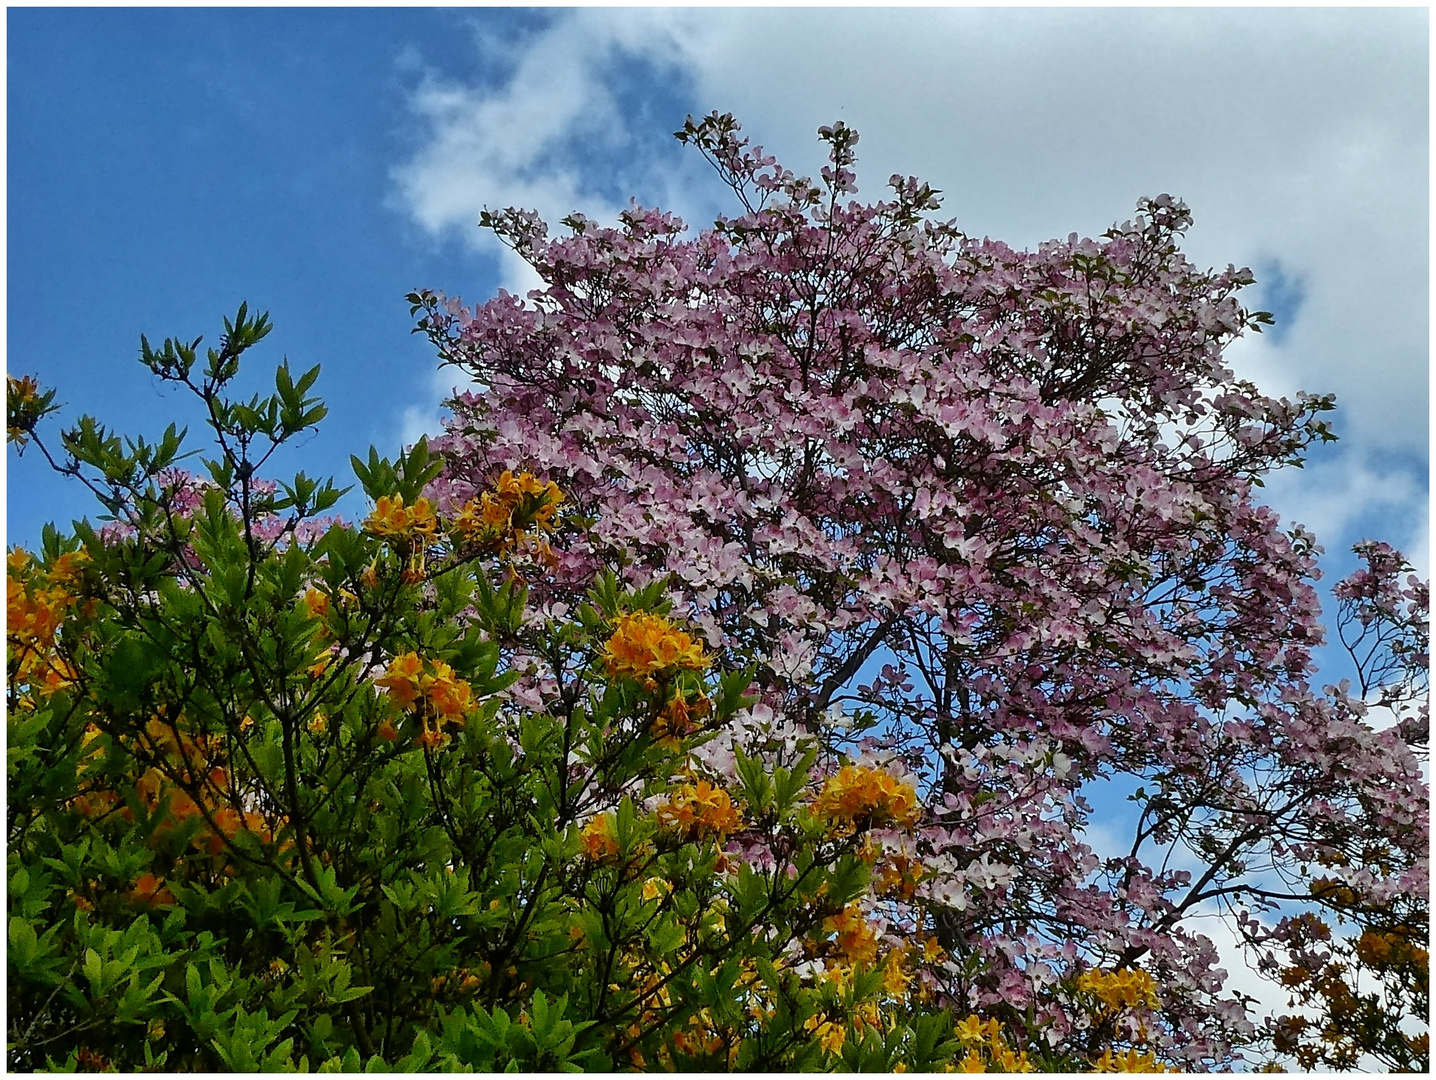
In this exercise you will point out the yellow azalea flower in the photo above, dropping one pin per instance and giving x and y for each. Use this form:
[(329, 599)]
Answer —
[(970, 1030), (895, 979), (867, 1015), (972, 1063), (837, 975), (1117, 990), (1130, 1061), (855, 938), (831, 1037), (1011, 1062), (646, 646), (859, 796), (22, 400), (24, 390)]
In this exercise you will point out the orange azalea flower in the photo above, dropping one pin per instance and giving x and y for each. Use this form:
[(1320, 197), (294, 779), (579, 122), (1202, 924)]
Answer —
[(317, 602), (451, 697), (391, 518), (855, 938), (898, 877), (700, 811), (645, 646), (677, 720), (152, 891), (499, 517), (862, 797), (598, 840), (401, 679)]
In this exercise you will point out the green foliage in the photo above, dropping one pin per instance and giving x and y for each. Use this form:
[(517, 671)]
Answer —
[(274, 803)]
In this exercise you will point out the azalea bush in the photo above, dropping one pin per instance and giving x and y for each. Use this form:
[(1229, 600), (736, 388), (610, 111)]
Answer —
[(991, 516), (274, 803)]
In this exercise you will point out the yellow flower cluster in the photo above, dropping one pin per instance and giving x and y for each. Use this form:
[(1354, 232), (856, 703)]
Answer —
[(859, 797), (985, 1045), (1391, 948), (37, 602), (502, 517), (22, 404), (1129, 1061), (679, 718), (1128, 988), (204, 793), (459, 982), (434, 694), (391, 519), (831, 1033), (648, 647), (855, 939), (497, 521), (852, 950), (699, 811)]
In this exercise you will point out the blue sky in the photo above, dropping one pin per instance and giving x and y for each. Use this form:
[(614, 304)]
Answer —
[(166, 164)]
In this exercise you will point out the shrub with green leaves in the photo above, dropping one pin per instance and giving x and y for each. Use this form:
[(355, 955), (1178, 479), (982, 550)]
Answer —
[(280, 797)]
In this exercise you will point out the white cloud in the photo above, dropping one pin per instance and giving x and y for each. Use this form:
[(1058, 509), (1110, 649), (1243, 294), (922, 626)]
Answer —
[(528, 142), (1355, 495)]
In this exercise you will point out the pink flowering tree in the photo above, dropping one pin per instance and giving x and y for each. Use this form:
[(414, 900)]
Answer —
[(1362, 986), (988, 516)]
